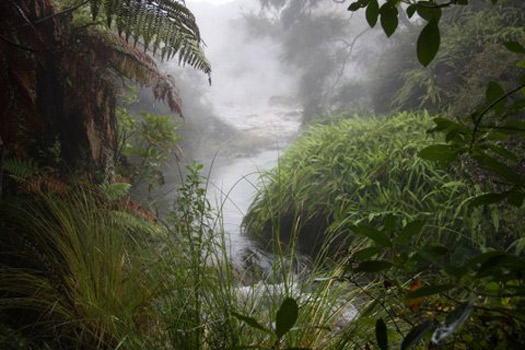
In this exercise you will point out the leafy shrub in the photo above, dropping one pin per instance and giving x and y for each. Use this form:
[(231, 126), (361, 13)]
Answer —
[(360, 171)]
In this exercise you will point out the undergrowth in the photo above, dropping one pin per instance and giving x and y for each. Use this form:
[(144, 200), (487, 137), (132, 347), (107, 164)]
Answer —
[(361, 171)]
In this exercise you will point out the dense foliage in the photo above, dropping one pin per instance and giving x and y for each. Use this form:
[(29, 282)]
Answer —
[(363, 170)]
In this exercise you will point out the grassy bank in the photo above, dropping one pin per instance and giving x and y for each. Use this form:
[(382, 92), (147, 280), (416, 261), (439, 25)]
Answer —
[(365, 171)]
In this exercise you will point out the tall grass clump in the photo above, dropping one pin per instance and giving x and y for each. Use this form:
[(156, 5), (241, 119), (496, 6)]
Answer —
[(75, 273), (78, 271), (360, 171)]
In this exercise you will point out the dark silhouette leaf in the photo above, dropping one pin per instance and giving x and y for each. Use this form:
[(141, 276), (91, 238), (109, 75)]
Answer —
[(415, 335), (429, 290), (377, 236), (428, 43), (515, 46), (373, 266), (286, 317), (381, 334), (410, 230), (389, 20), (372, 13), (365, 253)]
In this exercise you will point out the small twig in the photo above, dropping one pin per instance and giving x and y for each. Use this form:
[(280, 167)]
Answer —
[(509, 128), (2, 157), (21, 47), (487, 109), (66, 11)]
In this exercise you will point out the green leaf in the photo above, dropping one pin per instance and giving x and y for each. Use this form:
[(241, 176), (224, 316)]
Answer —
[(453, 321), (503, 152), (410, 230), (432, 252), (440, 152), (381, 334), (494, 92), (487, 199), (411, 10), (365, 253), (357, 5), (372, 13), (389, 20), (373, 266), (428, 11), (498, 168), (428, 43), (429, 290), (390, 224), (250, 322), (515, 46), (377, 236), (516, 197), (415, 335), (286, 317)]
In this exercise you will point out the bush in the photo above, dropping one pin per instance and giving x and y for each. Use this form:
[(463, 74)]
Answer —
[(361, 171)]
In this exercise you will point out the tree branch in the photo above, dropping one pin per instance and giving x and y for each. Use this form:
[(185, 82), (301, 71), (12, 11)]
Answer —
[(486, 110), (25, 48)]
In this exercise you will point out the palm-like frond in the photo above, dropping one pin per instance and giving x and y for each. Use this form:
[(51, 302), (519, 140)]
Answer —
[(104, 50), (165, 26)]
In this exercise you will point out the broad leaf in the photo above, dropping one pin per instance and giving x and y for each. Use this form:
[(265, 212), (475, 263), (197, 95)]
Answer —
[(372, 13), (373, 266), (498, 168), (410, 230), (429, 290), (415, 335), (389, 20), (440, 152), (428, 11), (286, 317), (515, 46), (250, 322), (381, 334), (428, 43), (487, 199), (365, 253), (377, 236), (494, 91), (411, 10)]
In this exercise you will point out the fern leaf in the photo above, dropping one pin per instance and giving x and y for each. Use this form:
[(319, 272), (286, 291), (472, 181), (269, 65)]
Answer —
[(167, 25), (21, 169), (104, 48)]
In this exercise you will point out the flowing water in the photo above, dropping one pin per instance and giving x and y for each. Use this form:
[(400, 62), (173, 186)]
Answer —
[(252, 97), (235, 177)]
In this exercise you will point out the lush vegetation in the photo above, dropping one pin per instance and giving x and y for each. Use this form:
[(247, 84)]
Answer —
[(413, 223), (363, 170)]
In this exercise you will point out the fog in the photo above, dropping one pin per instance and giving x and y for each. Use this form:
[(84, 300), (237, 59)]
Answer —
[(269, 76)]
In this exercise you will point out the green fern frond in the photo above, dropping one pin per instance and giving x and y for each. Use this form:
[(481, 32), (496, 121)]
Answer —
[(21, 169), (116, 190), (109, 50), (167, 26)]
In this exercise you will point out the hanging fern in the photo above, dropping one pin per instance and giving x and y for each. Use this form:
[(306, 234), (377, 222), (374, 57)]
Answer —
[(104, 50), (167, 26)]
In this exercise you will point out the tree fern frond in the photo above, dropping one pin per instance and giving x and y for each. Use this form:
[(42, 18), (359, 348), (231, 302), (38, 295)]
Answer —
[(165, 25), (113, 52)]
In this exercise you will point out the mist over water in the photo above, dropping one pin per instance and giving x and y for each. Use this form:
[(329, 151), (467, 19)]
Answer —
[(240, 124)]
